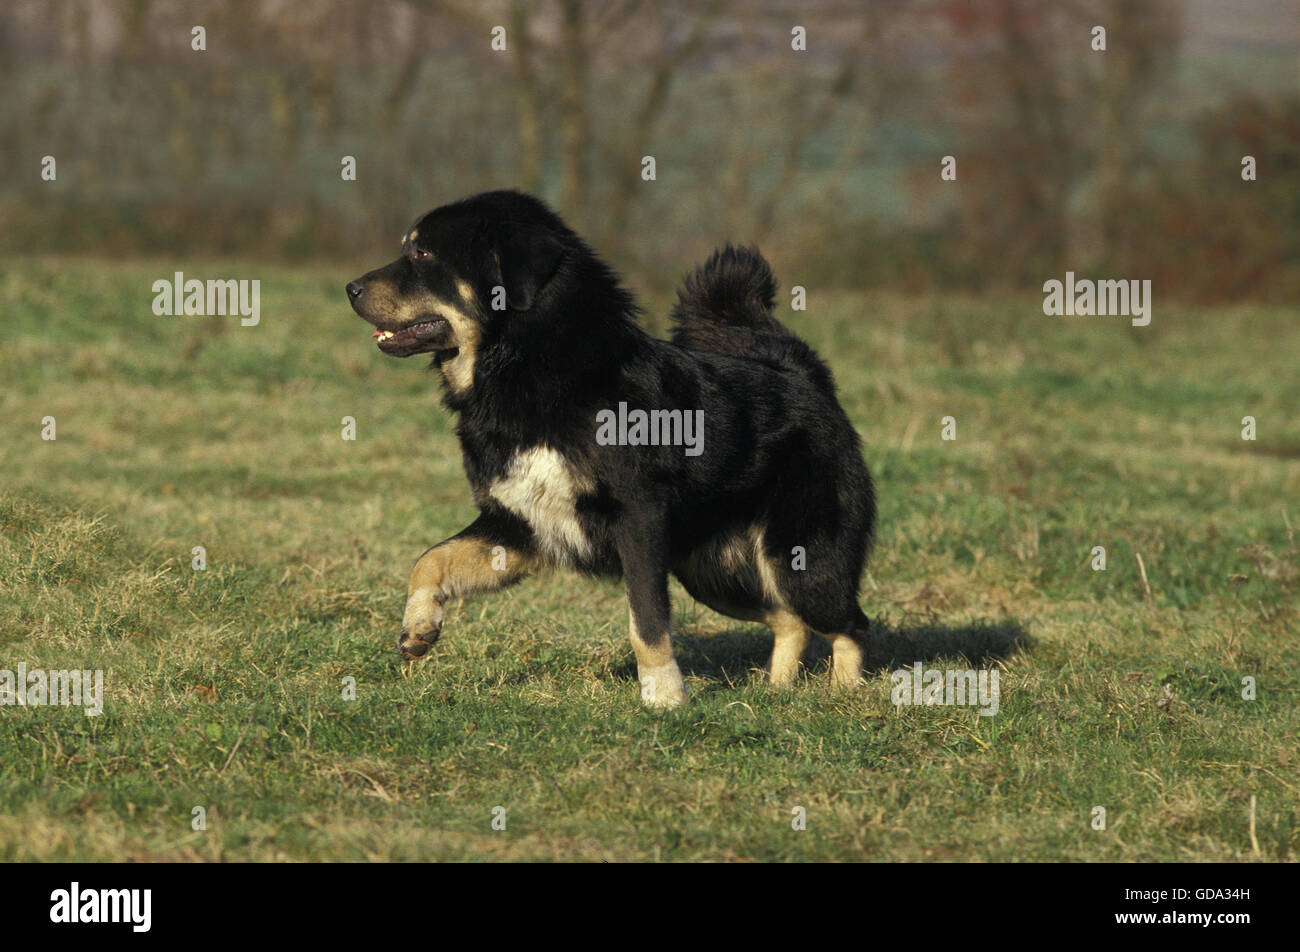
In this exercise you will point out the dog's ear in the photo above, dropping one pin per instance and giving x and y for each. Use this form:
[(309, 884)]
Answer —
[(526, 262)]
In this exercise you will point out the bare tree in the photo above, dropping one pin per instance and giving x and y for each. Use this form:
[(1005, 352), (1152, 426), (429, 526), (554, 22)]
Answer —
[(669, 61), (574, 59)]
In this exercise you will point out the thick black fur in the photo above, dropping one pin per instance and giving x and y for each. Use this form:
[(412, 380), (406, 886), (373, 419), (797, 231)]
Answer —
[(779, 451)]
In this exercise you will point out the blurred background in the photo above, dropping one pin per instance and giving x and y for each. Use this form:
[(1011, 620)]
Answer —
[(1125, 163)]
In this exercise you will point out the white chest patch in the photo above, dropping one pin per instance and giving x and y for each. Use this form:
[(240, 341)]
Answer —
[(543, 488)]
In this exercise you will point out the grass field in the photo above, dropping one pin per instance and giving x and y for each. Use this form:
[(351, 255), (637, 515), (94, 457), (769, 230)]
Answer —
[(224, 687)]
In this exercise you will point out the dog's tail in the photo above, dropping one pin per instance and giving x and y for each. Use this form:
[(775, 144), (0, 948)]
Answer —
[(735, 288), (726, 306)]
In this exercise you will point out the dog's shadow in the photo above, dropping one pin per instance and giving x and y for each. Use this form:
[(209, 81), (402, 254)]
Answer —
[(730, 656)]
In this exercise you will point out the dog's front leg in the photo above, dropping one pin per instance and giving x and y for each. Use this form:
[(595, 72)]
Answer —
[(491, 553), (643, 550)]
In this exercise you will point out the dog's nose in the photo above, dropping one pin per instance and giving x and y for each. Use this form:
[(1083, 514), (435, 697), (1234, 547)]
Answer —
[(355, 290)]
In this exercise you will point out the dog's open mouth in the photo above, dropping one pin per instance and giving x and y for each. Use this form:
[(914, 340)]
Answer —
[(417, 338)]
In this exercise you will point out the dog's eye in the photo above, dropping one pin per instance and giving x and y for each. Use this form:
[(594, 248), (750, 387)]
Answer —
[(420, 254)]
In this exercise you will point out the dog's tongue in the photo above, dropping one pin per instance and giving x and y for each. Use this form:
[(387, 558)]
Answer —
[(376, 333)]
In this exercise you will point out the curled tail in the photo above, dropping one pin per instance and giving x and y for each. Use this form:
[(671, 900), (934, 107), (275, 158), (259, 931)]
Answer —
[(734, 289), (726, 306)]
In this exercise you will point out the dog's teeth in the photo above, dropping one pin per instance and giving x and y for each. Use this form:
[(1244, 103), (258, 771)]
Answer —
[(384, 335)]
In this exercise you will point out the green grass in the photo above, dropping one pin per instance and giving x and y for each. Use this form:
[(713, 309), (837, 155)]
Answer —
[(224, 686)]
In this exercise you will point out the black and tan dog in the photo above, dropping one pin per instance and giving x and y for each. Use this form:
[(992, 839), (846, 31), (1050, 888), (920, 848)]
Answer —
[(720, 456)]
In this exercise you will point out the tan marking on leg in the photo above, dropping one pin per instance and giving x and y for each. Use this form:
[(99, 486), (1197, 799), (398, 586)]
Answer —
[(787, 650), (422, 619), (767, 576), (661, 680), (846, 663), (846, 658), (453, 569)]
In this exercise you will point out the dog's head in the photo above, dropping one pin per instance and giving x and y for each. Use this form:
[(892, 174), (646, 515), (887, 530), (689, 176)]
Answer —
[(464, 269)]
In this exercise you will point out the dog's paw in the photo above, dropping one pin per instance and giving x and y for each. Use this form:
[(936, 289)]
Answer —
[(662, 687), (411, 646), (848, 683), (846, 665), (421, 625)]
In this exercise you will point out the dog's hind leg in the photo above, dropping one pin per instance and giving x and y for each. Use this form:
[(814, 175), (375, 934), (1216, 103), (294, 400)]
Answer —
[(846, 654), (490, 554), (822, 597), (787, 650)]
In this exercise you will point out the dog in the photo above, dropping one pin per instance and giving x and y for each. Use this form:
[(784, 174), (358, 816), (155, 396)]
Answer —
[(720, 456)]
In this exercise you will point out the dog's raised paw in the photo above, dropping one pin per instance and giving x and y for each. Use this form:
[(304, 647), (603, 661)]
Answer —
[(412, 647)]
